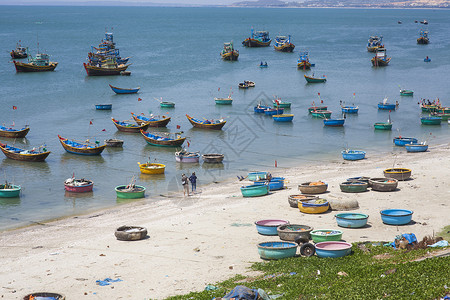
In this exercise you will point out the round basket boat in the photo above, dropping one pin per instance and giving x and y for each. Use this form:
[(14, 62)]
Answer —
[(398, 173), (269, 227), (9, 190), (255, 176), (316, 206), (255, 190), (360, 178), (130, 233), (325, 235), (213, 158), (293, 199), (313, 187), (44, 295), (383, 184), (333, 249), (152, 168), (277, 250), (125, 192), (353, 186), (351, 220), (290, 232), (396, 216)]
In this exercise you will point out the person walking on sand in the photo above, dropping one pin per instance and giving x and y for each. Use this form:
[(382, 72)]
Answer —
[(193, 180), (185, 183)]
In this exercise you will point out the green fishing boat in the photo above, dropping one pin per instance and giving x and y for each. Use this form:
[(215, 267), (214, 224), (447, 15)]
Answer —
[(167, 104), (324, 114), (9, 190), (130, 191), (445, 110), (406, 93), (383, 126), (431, 120)]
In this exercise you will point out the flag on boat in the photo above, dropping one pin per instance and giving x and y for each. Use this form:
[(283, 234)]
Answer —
[(139, 99), (188, 143), (90, 122), (14, 107), (103, 129), (178, 126)]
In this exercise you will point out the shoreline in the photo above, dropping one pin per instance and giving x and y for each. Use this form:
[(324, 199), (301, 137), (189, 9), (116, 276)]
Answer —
[(208, 237)]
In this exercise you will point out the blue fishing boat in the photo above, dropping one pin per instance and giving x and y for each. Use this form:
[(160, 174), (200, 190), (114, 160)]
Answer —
[(303, 61), (263, 65), (283, 118), (273, 111), (350, 109), (386, 106), (103, 106), (353, 154), (83, 148), (124, 91), (283, 44), (334, 122), (260, 108), (402, 141), (257, 39), (427, 59), (422, 147)]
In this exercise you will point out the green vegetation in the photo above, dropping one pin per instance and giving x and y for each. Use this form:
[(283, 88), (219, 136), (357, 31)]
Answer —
[(445, 233), (370, 272)]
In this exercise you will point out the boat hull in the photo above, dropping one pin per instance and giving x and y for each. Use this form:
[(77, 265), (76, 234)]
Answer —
[(162, 143), (103, 106), (24, 157), (416, 148), (99, 71), (333, 249), (255, 43), (400, 174), (124, 91), (15, 134), (277, 250), (353, 154), (377, 62), (422, 41), (324, 114), (134, 128), (383, 126), (154, 168), (79, 189), (129, 195), (231, 56), (333, 122), (157, 123), (214, 126), (213, 158), (406, 93), (398, 141), (10, 193), (254, 190), (310, 79), (351, 220), (304, 65), (396, 216), (283, 118), (431, 120), (353, 187), (81, 151), (223, 101), (350, 110), (114, 143), (26, 67), (386, 106)]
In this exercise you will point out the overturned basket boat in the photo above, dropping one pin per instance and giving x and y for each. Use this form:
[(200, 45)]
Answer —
[(294, 199), (383, 184), (398, 173), (130, 233), (290, 232), (213, 158)]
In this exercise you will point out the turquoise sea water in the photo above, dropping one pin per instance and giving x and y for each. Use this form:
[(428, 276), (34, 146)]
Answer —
[(175, 55)]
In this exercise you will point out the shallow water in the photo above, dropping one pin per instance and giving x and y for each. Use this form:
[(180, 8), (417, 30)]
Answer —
[(175, 55)]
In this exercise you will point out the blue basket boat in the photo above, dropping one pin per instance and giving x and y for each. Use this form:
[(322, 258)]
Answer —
[(416, 147), (353, 154), (260, 109), (269, 227), (402, 141), (277, 250), (386, 106), (333, 249), (254, 190), (103, 106), (351, 220), (396, 216), (276, 183), (273, 111), (350, 109), (283, 118), (256, 176), (334, 122)]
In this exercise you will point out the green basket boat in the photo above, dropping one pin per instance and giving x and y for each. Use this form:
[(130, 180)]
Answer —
[(166, 104), (431, 120), (353, 186), (444, 116), (383, 126), (9, 190), (406, 93), (281, 104), (255, 190), (125, 192), (324, 114)]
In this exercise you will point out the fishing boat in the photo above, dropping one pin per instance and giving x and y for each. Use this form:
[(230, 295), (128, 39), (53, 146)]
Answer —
[(312, 79), (8, 190), (274, 111), (82, 148), (114, 143), (380, 59), (78, 185), (260, 109), (185, 156), (213, 157), (243, 85), (110, 67), (386, 106), (431, 120), (442, 109), (402, 141), (277, 103), (151, 168), (130, 191), (350, 109), (283, 44), (228, 52), (404, 92), (124, 91), (425, 22), (257, 39), (431, 108), (35, 154), (14, 133), (249, 83), (129, 127), (420, 147), (333, 122), (206, 124), (163, 139), (254, 190), (40, 63), (167, 104), (383, 126), (263, 65), (152, 121), (303, 61), (317, 108), (19, 52), (224, 101), (283, 118), (374, 43), (423, 37), (348, 154), (323, 114), (103, 106)]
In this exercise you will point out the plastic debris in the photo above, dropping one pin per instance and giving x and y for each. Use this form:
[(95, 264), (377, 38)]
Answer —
[(442, 243), (211, 287), (107, 281)]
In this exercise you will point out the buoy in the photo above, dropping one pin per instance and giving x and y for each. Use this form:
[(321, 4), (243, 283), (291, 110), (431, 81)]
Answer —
[(276, 165)]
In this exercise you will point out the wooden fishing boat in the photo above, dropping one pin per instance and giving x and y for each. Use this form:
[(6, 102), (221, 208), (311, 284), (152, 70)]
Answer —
[(213, 157), (35, 154), (303, 61), (383, 126), (380, 59), (166, 104), (283, 44), (19, 52), (277, 103), (14, 133), (152, 168), (312, 79), (274, 111), (317, 108), (124, 91), (353, 154), (105, 69), (422, 147), (260, 109), (423, 37), (206, 124), (323, 114), (402, 141), (254, 190), (333, 122), (243, 85), (8, 190), (283, 118), (228, 52), (153, 121), (316, 206), (163, 139), (374, 43), (400, 174), (185, 156), (78, 185), (257, 39), (82, 148), (129, 127), (40, 63), (103, 106), (443, 110), (404, 92), (350, 109), (431, 120), (130, 191), (114, 143)]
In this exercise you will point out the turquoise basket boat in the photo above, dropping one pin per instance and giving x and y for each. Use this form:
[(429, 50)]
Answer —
[(274, 184), (9, 190), (396, 216), (333, 249), (351, 220), (167, 104), (254, 190), (353, 154), (277, 250), (255, 176), (269, 227)]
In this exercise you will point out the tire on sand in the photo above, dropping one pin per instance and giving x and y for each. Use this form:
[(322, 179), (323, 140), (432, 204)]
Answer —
[(130, 233)]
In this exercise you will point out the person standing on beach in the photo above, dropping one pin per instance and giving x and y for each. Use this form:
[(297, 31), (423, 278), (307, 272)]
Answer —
[(185, 183), (193, 180)]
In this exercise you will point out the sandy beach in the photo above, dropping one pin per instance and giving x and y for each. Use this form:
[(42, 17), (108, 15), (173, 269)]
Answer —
[(199, 240)]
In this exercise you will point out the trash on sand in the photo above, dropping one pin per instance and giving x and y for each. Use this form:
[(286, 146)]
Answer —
[(107, 281), (244, 293), (211, 287), (442, 243)]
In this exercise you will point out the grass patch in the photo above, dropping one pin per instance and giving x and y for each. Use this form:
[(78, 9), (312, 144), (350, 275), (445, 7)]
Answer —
[(445, 233), (375, 273)]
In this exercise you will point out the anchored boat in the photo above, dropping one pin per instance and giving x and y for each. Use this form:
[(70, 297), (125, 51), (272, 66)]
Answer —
[(258, 39), (283, 44), (228, 52)]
